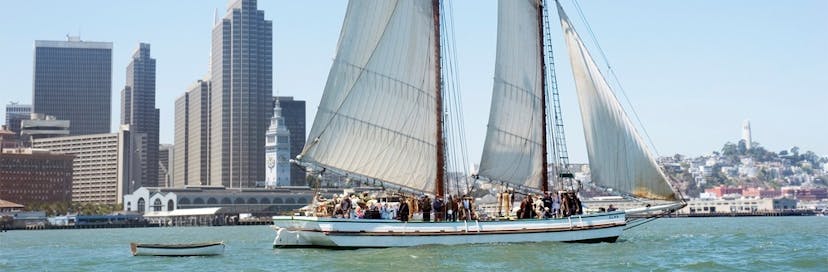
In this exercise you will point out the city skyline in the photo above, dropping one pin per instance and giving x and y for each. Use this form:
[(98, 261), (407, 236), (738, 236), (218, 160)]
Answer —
[(692, 86)]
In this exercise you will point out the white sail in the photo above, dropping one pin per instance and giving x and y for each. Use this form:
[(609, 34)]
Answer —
[(513, 150), (377, 116), (618, 157)]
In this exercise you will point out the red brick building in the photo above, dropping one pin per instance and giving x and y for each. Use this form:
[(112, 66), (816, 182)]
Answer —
[(761, 192), (808, 194), (31, 176), (720, 190)]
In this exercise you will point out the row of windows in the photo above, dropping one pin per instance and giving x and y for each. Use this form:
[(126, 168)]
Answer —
[(227, 200)]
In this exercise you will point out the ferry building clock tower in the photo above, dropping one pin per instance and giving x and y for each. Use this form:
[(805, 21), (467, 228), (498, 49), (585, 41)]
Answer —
[(277, 151)]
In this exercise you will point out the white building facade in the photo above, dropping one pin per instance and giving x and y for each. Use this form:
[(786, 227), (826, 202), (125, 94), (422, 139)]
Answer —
[(277, 151)]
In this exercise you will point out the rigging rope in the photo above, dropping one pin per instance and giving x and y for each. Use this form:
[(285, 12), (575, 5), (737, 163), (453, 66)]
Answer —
[(458, 151)]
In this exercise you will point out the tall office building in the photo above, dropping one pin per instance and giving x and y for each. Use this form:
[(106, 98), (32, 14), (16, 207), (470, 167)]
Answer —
[(73, 81), (192, 139), (180, 138), (241, 87), (138, 109), (293, 111), (15, 113)]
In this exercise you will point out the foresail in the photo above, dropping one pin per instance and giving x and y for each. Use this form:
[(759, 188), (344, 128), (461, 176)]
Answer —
[(377, 116), (513, 150), (618, 158)]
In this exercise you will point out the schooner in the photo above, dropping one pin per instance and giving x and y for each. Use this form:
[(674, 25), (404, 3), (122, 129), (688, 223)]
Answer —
[(381, 118)]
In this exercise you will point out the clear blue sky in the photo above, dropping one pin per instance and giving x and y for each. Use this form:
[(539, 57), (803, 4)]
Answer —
[(694, 70)]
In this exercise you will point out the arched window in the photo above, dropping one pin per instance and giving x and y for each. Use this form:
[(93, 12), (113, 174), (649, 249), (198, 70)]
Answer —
[(141, 205), (265, 201), (278, 201), (239, 201), (212, 200), (252, 201), (290, 201), (184, 201), (226, 200), (302, 200), (156, 205), (170, 205), (198, 201)]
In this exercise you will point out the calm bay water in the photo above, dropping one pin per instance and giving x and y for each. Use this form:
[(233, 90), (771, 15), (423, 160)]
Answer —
[(690, 244)]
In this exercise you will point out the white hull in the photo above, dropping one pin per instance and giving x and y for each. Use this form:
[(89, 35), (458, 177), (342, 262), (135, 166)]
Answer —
[(300, 231), (208, 249)]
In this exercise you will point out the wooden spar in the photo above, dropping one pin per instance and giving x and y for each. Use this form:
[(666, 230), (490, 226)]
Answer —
[(544, 172), (441, 151)]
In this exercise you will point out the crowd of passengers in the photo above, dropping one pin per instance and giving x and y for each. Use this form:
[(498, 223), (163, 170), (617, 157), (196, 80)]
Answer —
[(452, 208)]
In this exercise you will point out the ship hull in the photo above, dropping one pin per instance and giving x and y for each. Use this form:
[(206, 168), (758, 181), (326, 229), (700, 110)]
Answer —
[(314, 232)]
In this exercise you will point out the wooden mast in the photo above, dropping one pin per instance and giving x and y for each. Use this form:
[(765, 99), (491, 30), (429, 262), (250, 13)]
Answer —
[(544, 172), (441, 151)]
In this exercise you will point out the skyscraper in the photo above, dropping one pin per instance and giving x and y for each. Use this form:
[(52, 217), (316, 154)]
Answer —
[(293, 111), (138, 109), (241, 87), (73, 81), (192, 157), (181, 137), (15, 113)]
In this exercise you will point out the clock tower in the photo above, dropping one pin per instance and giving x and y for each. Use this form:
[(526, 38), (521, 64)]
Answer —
[(277, 151)]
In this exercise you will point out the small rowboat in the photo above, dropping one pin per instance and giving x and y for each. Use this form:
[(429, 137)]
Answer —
[(195, 249)]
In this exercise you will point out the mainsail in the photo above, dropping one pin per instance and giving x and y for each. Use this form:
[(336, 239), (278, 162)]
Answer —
[(377, 116), (618, 157), (513, 151)]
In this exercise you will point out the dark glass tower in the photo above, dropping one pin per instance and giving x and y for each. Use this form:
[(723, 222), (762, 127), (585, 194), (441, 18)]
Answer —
[(73, 81), (241, 90), (138, 109)]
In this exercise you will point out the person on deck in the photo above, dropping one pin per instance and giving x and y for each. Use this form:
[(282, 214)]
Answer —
[(345, 207), (403, 212), (466, 208), (455, 205), (556, 206), (522, 208), (425, 206), (438, 209), (578, 207), (611, 208), (547, 204), (385, 212), (507, 203), (565, 211)]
